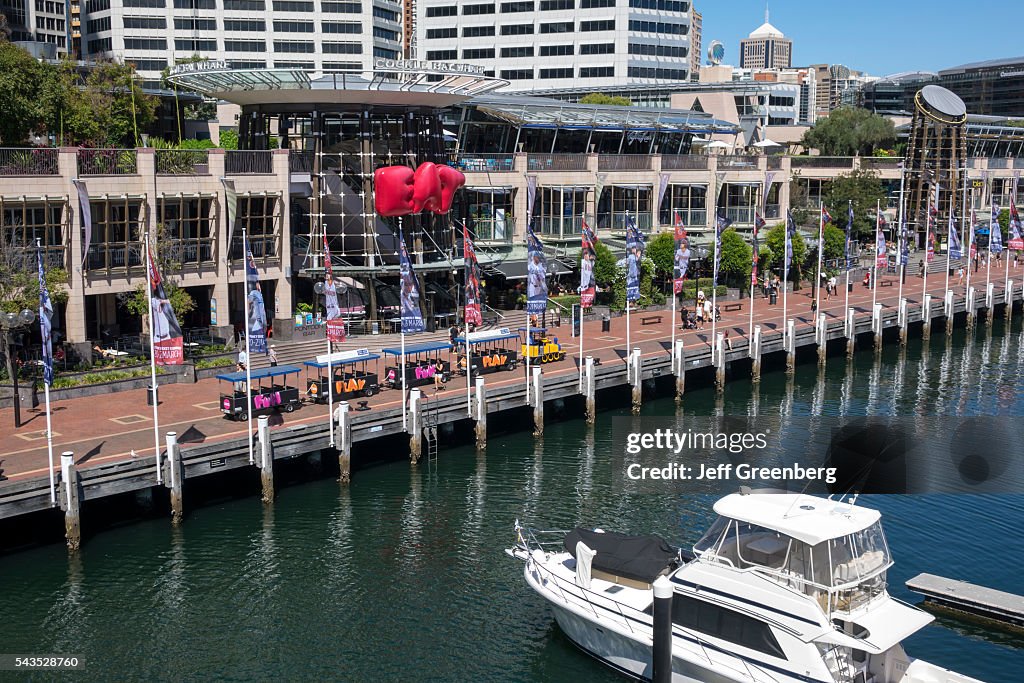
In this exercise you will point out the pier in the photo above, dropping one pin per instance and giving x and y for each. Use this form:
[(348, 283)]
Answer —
[(968, 598)]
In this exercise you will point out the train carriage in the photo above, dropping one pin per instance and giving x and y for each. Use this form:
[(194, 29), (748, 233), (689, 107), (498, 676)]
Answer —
[(420, 364), (490, 350), (540, 348), (270, 392), (352, 375)]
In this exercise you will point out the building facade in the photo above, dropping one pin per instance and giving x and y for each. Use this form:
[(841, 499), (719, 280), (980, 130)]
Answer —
[(990, 88), (766, 48), (43, 22), (696, 42), (540, 44)]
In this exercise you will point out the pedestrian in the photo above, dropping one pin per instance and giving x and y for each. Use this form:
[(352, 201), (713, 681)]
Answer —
[(766, 286), (960, 275), (708, 311), (438, 375), (728, 342), (920, 268), (273, 356), (700, 310), (832, 284), (867, 279), (682, 318), (243, 359)]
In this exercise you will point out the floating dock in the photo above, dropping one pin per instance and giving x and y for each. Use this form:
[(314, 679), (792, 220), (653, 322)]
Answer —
[(968, 598)]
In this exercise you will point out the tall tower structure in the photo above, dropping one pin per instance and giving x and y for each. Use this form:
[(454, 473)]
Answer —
[(766, 48)]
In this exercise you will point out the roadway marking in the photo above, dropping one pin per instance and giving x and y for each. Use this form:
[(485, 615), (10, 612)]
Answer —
[(209, 405), (607, 338), (648, 332), (129, 419), (35, 436)]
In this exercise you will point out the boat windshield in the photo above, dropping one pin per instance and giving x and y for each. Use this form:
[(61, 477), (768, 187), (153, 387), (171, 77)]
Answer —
[(844, 571)]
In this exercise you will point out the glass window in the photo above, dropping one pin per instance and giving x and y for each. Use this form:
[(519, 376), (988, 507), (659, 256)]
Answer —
[(524, 51), (517, 6), (479, 53), (446, 11), (597, 71), (600, 25), (245, 25), (618, 201), (565, 72), (597, 49), (478, 9), (261, 215), (688, 201), (517, 74), (28, 221), (189, 223), (557, 27), (341, 7), (487, 213), (116, 234), (555, 50), (149, 22), (293, 26), (726, 624), (561, 210), (448, 32), (477, 31), (516, 29)]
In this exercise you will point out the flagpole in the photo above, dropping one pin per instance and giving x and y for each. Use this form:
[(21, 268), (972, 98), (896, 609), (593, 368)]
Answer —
[(949, 245), (846, 262), (785, 282), (821, 239), (1006, 250), (46, 384), (152, 361), (582, 258), (874, 277), (963, 238), (988, 260), (248, 359), (900, 243), (714, 285), (528, 346), (926, 315), (970, 244)]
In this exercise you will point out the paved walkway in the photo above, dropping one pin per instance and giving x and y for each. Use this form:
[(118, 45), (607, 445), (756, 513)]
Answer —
[(107, 428)]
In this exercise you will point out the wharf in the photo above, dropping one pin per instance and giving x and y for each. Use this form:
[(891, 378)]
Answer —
[(961, 596)]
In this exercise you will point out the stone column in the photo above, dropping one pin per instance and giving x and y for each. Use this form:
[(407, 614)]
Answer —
[(70, 501), (175, 478)]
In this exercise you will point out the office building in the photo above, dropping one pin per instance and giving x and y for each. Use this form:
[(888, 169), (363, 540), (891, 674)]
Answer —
[(43, 22), (766, 48), (696, 47)]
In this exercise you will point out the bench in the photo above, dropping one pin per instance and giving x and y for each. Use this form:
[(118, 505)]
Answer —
[(651, 320), (733, 307), (885, 283)]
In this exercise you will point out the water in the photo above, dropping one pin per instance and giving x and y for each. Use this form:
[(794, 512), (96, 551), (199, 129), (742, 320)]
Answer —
[(402, 576)]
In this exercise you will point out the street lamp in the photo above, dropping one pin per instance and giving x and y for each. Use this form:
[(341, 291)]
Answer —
[(9, 323)]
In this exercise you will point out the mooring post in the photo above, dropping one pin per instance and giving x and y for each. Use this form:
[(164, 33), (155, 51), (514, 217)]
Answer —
[(876, 326), (480, 410), (415, 426), (926, 317), (661, 652), (789, 343), (70, 501), (850, 332), (174, 478), (990, 300), (755, 355), (343, 442), (902, 321), (266, 461), (636, 379), (589, 390), (1008, 295), (972, 309), (718, 356), (947, 311), (821, 336), (538, 402), (679, 369)]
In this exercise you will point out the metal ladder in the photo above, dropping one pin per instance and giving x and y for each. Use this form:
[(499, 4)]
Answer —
[(430, 429)]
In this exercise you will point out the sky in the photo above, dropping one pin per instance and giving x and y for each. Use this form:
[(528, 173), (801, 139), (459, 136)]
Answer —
[(879, 37)]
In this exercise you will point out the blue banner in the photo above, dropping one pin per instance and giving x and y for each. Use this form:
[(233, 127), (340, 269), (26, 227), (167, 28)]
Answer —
[(995, 243), (536, 274), (721, 223), (256, 312), (634, 256), (412, 316), (45, 324), (955, 248), (790, 234), (849, 231), (904, 244)]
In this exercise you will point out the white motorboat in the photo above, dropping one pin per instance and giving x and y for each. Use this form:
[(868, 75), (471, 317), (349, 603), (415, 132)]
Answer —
[(782, 587)]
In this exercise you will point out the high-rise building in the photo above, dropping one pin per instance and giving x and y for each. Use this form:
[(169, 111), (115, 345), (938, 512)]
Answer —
[(543, 44), (838, 86), (766, 48), (696, 54), (38, 21), (300, 34), (408, 28)]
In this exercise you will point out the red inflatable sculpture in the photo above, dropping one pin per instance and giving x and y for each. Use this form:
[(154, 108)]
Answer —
[(393, 190), (426, 194), (399, 191), (451, 180)]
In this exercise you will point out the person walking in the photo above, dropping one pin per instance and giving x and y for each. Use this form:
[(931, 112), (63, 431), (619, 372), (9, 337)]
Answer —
[(273, 356), (700, 310), (243, 359), (708, 310), (920, 269)]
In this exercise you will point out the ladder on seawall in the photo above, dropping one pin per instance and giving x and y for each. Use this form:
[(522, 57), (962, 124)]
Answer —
[(430, 429)]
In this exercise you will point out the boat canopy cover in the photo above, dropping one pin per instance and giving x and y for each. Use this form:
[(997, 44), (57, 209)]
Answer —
[(641, 558), (411, 349), (262, 373)]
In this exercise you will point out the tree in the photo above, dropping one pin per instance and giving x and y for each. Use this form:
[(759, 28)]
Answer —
[(22, 111), (850, 131), (228, 139), (598, 98), (775, 241), (649, 294), (207, 110), (166, 258), (661, 250), (865, 190), (834, 248), (734, 266), (605, 268)]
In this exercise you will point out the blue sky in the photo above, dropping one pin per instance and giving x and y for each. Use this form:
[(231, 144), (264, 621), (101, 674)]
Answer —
[(880, 37)]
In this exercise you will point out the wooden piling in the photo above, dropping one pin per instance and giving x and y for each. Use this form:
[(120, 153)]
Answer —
[(480, 410), (902, 321), (538, 402), (415, 426), (755, 355), (175, 478), (789, 340), (990, 301), (718, 355), (344, 441), (589, 389), (266, 461), (947, 309), (679, 369), (876, 326), (926, 317), (635, 376), (70, 501), (1008, 295), (972, 308), (821, 337), (851, 333)]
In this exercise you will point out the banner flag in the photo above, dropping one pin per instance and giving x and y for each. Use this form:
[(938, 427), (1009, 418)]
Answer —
[(995, 244), (531, 195), (849, 231), (755, 251), (662, 188), (86, 207), (588, 257), (790, 234), (45, 322), (972, 236), (231, 202), (256, 312), (721, 223), (904, 243), (956, 250), (682, 255), (1016, 240), (536, 274), (335, 323), (881, 256), (412, 316), (634, 256), (168, 342), (473, 313)]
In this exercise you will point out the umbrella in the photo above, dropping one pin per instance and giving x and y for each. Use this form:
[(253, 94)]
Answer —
[(767, 143), (718, 144)]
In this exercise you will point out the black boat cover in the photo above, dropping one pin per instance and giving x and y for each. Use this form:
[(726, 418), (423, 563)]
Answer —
[(641, 558)]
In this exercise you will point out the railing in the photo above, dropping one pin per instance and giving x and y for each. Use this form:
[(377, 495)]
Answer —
[(249, 162), (560, 226), (624, 162), (697, 218), (999, 163), (183, 161), (189, 252), (300, 161), (740, 214), (616, 221), (775, 162), (739, 162), (107, 162), (493, 230), (484, 163), (28, 161), (262, 247), (892, 163), (556, 162), (112, 256), (684, 162), (821, 162)]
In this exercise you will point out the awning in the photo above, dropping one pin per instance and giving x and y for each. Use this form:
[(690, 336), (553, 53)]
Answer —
[(887, 623), (516, 270)]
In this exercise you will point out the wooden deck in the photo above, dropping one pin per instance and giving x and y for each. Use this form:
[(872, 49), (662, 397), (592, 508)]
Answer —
[(966, 597)]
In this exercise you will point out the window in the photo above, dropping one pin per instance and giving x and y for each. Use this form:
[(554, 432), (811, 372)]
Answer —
[(189, 44), (450, 32), (657, 27), (555, 50), (147, 64), (100, 45), (724, 623), (516, 29), (116, 233), (556, 73), (343, 66), (561, 210), (486, 212), (445, 11), (600, 25), (97, 6), (480, 53), (597, 71), (657, 50), (245, 46), (340, 27), (244, 5), (195, 4), (245, 25), (650, 72), (293, 26), (548, 5), (477, 31), (661, 5), (597, 49), (510, 7), (261, 215), (292, 6), (182, 23), (146, 4), (620, 203), (189, 225), (557, 27), (688, 201), (97, 25), (386, 14), (246, 64), (294, 65), (511, 52), (443, 55), (341, 7), (26, 221), (384, 33), (594, 4), (385, 53), (145, 44), (343, 48), (468, 10), (517, 74), (294, 46)]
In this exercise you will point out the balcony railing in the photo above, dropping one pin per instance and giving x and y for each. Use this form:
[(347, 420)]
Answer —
[(624, 162), (493, 229), (775, 163), (28, 161), (697, 218), (880, 162), (192, 252), (739, 162), (107, 162), (113, 256), (617, 221), (249, 162), (560, 226), (483, 163), (684, 162), (821, 162), (300, 161), (556, 162), (741, 215), (183, 162), (262, 247)]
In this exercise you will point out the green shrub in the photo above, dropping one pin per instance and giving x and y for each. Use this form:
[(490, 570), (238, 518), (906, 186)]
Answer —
[(567, 300), (214, 362)]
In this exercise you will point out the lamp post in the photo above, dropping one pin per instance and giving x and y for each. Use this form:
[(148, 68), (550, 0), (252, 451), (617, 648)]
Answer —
[(9, 322)]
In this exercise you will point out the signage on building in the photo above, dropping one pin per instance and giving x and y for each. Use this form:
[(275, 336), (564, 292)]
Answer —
[(639, 136), (427, 65), (195, 67)]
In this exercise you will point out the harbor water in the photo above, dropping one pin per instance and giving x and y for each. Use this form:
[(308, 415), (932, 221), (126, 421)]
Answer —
[(402, 575)]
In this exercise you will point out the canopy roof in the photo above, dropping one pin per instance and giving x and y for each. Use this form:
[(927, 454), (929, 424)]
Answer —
[(262, 373), (342, 358), (417, 348), (497, 336), (805, 518), (640, 558)]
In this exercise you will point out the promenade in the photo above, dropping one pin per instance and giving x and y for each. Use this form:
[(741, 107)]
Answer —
[(105, 429)]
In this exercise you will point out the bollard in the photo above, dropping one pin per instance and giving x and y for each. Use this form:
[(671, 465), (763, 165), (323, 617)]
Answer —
[(926, 317), (789, 343), (480, 408), (266, 461), (415, 426), (679, 370), (821, 336), (70, 501), (635, 379), (538, 402), (876, 326), (947, 311), (850, 329), (661, 652), (344, 441), (1008, 295), (755, 354), (589, 386), (175, 475), (718, 358), (902, 316), (972, 309)]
